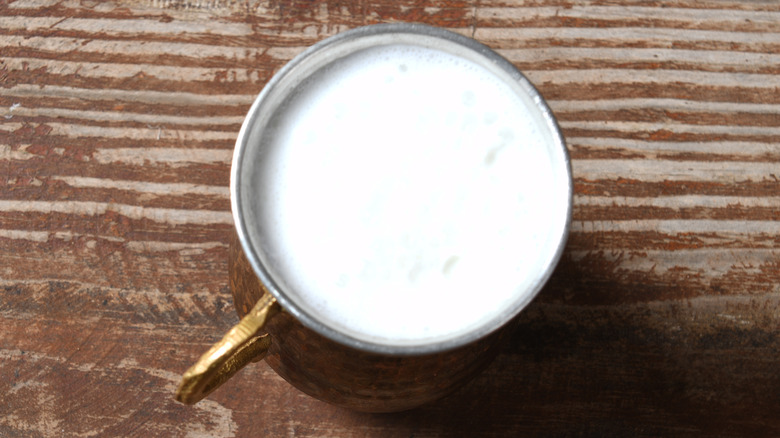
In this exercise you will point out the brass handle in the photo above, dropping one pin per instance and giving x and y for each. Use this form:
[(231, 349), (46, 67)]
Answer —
[(238, 347)]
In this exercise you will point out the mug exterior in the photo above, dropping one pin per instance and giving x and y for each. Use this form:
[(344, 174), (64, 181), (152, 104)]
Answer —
[(351, 378), (332, 365)]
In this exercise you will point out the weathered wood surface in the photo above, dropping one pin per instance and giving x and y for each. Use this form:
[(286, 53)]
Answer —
[(117, 122)]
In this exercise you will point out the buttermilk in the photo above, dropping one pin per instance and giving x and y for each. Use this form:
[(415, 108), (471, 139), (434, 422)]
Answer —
[(409, 195)]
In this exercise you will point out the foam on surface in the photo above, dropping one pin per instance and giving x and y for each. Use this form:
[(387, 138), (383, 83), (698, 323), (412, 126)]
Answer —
[(409, 195)]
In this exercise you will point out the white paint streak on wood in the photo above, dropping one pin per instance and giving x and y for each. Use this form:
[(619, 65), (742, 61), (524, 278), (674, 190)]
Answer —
[(681, 105), (679, 226), (156, 246), (41, 288), (662, 170), (34, 236), (68, 236), (285, 53), (717, 59), (137, 48), (141, 246), (119, 116), (633, 127), (15, 154), (719, 17), (172, 189), (142, 96), (95, 70), (89, 208), (678, 202), (171, 156), (745, 149), (219, 423), (151, 132), (121, 27), (661, 37), (138, 26), (29, 4), (175, 157)]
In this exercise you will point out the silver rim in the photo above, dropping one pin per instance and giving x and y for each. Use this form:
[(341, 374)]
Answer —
[(292, 70)]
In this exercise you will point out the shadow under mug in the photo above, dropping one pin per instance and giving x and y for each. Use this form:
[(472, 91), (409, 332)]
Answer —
[(314, 360)]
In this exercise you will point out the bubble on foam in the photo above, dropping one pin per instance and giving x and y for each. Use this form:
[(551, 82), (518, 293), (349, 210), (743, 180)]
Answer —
[(381, 196), (490, 157), (446, 269)]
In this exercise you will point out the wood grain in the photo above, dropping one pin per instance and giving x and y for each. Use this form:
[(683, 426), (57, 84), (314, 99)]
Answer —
[(117, 123)]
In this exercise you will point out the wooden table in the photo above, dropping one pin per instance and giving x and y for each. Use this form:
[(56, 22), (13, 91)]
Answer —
[(117, 123)]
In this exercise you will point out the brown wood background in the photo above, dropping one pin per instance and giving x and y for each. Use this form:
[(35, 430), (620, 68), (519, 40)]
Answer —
[(117, 122)]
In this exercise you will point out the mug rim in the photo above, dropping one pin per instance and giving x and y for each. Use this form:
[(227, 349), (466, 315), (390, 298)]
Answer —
[(290, 70)]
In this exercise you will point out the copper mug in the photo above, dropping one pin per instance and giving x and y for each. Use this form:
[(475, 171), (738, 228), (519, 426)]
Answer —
[(321, 358)]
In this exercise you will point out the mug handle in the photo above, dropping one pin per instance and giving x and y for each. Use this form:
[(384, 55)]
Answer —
[(241, 345)]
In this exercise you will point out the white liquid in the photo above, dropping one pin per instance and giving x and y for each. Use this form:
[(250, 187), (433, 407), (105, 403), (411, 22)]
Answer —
[(411, 196)]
